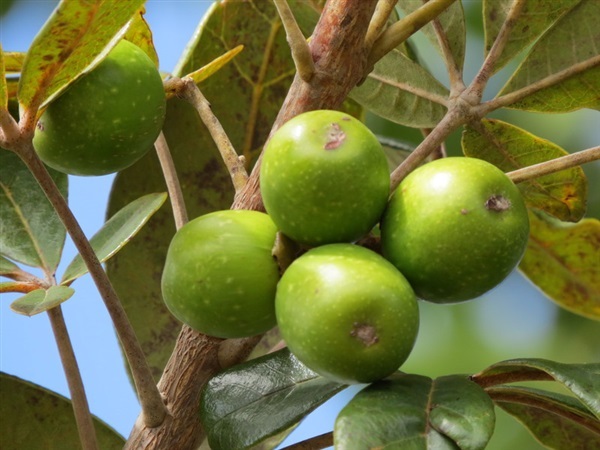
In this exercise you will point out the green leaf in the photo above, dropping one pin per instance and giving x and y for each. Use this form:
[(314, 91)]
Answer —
[(117, 232), (416, 412), (7, 267), (248, 403), (570, 46), (452, 22), (135, 271), (583, 380), (562, 260), (13, 61), (536, 17), (74, 39), (140, 34), (402, 91), (36, 418), (41, 300), (32, 233), (562, 194), (3, 86), (557, 421)]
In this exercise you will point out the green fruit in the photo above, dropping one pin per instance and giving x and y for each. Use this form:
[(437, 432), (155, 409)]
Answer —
[(106, 120), (347, 313), (455, 227), (219, 275), (324, 178)]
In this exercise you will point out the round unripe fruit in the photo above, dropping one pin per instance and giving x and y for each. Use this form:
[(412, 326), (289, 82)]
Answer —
[(106, 120), (220, 277), (324, 178), (347, 313), (455, 228)]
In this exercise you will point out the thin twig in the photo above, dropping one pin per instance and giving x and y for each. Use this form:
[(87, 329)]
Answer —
[(190, 92), (397, 33), (477, 86), (555, 165), (153, 408), (551, 80), (300, 50), (173, 186), (314, 443), (382, 13), (455, 71), (83, 417)]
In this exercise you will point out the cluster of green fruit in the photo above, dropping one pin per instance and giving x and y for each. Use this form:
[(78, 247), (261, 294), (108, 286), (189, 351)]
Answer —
[(78, 136), (453, 230)]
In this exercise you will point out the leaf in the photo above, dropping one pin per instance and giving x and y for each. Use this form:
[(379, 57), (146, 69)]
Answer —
[(452, 21), (13, 61), (32, 233), (557, 421), (248, 403), (139, 33), (117, 232), (36, 418), (570, 46), (536, 16), (74, 39), (562, 194), (562, 260), (136, 270), (41, 300), (215, 65), (7, 267), (3, 86), (402, 91), (583, 380), (416, 412)]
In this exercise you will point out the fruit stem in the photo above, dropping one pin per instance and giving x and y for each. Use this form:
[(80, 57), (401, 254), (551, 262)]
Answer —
[(83, 417), (398, 32), (296, 40), (153, 408), (187, 89), (173, 186), (555, 165)]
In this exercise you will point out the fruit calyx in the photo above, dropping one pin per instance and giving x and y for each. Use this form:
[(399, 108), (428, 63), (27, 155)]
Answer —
[(366, 334), (335, 137), (497, 203)]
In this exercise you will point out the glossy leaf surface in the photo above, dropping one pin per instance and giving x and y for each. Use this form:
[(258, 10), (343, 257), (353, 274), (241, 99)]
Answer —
[(36, 418), (549, 57), (557, 421), (72, 41), (32, 233), (248, 403), (562, 194), (117, 232), (562, 260), (402, 91), (534, 18), (416, 412), (41, 300)]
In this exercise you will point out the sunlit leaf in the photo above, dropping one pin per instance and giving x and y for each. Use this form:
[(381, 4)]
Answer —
[(416, 412), (570, 46), (74, 39), (250, 402), (32, 233), (3, 88), (135, 271), (13, 61), (562, 260), (215, 65), (535, 18), (583, 380), (117, 232), (562, 194), (140, 34), (452, 21), (41, 300), (402, 91), (36, 418), (557, 421)]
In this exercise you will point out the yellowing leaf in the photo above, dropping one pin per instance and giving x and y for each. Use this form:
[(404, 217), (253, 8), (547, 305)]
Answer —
[(140, 34), (209, 69), (562, 194), (563, 260)]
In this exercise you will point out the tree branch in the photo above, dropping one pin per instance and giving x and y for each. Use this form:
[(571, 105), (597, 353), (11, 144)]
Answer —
[(555, 165), (315, 443), (382, 13), (81, 409)]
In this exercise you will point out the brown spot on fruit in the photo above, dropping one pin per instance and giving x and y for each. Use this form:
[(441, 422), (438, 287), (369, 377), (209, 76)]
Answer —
[(367, 334), (497, 203), (335, 137)]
